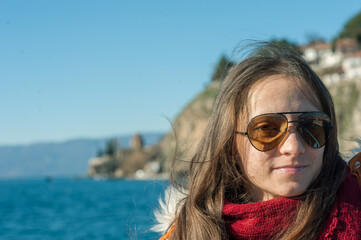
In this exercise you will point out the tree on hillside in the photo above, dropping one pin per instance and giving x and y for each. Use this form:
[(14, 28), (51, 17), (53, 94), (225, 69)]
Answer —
[(352, 29), (100, 153), (313, 37), (287, 43), (224, 64), (283, 44), (111, 147)]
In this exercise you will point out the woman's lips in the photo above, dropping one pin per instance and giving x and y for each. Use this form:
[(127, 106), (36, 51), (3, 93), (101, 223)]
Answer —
[(290, 169)]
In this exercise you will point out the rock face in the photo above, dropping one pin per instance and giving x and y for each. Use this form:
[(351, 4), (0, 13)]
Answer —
[(188, 128), (347, 101)]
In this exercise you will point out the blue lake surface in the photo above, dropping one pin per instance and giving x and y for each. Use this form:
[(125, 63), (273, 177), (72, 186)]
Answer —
[(78, 209)]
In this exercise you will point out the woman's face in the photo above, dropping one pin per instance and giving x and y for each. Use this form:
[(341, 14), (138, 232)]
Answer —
[(289, 168)]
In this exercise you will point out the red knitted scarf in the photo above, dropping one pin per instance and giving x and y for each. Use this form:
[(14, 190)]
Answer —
[(263, 220)]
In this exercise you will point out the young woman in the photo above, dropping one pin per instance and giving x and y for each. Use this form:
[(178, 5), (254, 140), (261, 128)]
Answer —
[(268, 165)]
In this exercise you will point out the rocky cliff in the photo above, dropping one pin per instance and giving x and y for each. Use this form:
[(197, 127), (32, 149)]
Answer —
[(188, 128), (346, 96)]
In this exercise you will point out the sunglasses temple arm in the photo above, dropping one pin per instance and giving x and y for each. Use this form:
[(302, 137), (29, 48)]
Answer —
[(243, 133)]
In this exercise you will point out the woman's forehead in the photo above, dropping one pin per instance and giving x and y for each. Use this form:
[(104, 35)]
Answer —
[(279, 93)]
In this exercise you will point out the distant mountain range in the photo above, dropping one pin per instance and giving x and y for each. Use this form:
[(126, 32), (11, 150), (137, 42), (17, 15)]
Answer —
[(55, 159)]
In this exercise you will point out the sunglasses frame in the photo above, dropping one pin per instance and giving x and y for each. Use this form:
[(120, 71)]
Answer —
[(327, 128)]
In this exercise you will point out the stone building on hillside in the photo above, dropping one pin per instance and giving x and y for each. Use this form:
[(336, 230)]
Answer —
[(136, 161), (316, 52), (346, 45), (336, 62), (136, 142), (352, 65)]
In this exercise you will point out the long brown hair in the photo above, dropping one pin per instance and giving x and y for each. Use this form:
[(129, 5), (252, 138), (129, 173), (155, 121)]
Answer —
[(215, 170)]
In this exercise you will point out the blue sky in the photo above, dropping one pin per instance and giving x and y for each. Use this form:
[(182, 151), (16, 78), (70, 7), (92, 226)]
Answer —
[(86, 68)]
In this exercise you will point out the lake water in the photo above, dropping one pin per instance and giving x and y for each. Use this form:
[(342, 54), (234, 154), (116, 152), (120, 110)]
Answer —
[(78, 209)]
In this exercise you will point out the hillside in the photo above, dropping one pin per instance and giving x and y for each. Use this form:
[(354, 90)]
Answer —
[(347, 101), (189, 126)]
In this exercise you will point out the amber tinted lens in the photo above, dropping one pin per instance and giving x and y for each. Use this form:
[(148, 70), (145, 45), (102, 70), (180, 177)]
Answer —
[(313, 128), (267, 131)]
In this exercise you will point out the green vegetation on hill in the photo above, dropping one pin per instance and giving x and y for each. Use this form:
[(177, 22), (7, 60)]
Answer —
[(221, 69), (287, 43), (352, 29)]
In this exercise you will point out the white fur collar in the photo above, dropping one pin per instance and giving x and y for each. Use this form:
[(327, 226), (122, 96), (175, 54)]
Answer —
[(167, 211)]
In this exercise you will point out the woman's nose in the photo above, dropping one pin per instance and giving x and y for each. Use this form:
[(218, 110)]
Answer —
[(292, 144)]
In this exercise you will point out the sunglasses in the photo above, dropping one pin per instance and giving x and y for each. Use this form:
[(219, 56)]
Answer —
[(266, 131)]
